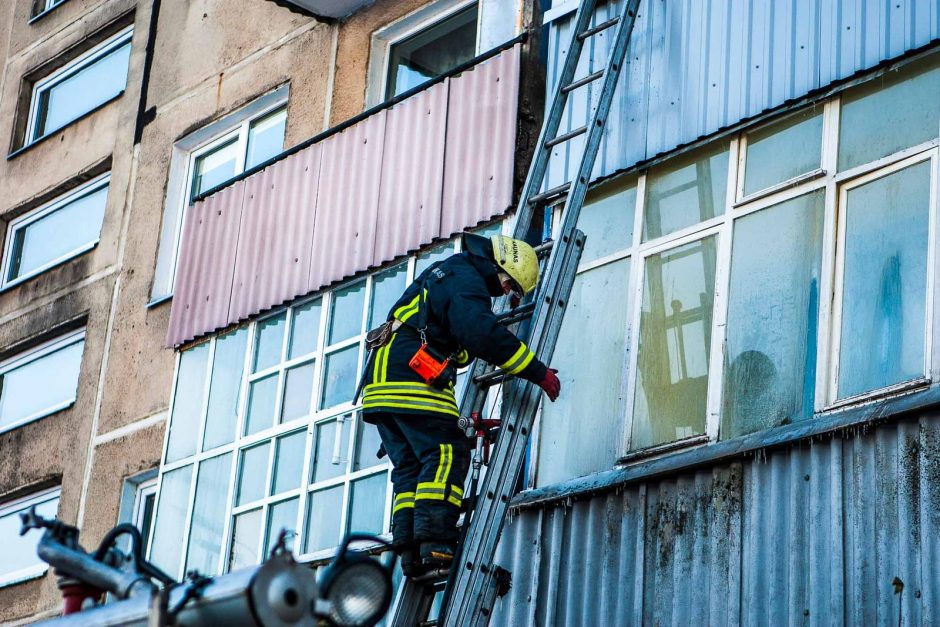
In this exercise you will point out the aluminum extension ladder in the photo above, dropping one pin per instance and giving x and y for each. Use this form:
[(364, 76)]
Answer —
[(474, 582)]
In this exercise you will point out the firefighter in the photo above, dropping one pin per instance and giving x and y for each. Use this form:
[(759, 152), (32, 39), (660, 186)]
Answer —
[(442, 321)]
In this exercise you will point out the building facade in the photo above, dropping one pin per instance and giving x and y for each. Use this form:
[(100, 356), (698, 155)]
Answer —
[(746, 432)]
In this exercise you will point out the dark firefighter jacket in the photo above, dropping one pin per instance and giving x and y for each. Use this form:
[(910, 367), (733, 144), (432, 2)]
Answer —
[(460, 322)]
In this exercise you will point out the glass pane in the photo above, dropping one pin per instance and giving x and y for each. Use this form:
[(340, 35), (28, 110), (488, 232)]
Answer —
[(432, 52), (187, 404), (885, 284), (145, 521), (367, 445), (213, 168), (686, 191), (576, 441), (43, 384), (770, 346), (367, 508), (346, 314), (324, 514), (306, 329), (289, 462), (675, 338), (261, 397), (782, 151), (387, 287), (224, 388), (246, 536), (57, 235), (19, 552), (205, 532), (607, 221), (297, 391), (281, 515), (83, 91), (429, 257), (269, 341), (340, 377), (167, 548), (266, 138), (252, 474), (890, 113), (329, 458)]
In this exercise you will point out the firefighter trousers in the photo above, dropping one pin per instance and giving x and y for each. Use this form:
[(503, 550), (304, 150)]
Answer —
[(431, 456)]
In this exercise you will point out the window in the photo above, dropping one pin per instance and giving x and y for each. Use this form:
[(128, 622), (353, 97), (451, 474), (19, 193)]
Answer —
[(264, 436), (81, 86), (144, 501), (211, 157), (432, 51), (41, 381), (55, 232), (20, 561)]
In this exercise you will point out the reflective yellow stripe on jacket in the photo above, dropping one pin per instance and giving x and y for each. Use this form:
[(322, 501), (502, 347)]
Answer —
[(409, 395), (519, 360)]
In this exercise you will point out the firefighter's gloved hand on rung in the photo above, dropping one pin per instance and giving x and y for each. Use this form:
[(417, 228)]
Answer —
[(550, 384)]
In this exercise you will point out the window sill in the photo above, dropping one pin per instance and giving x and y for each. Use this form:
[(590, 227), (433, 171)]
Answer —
[(19, 151), (660, 449), (43, 414), (158, 300), (24, 575), (44, 269)]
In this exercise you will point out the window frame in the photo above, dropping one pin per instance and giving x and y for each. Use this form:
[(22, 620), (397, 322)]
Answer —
[(85, 60), (13, 508), (38, 352), (37, 214)]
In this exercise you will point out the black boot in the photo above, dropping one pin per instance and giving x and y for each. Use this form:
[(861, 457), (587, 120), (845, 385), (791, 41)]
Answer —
[(437, 554), (411, 564)]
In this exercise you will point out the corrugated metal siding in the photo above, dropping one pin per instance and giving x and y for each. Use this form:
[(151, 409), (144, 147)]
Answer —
[(432, 165), (814, 534), (697, 66)]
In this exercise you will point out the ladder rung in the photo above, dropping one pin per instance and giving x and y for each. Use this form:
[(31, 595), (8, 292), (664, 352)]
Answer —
[(581, 130), (590, 78), (555, 191), (491, 378), (515, 315), (596, 29)]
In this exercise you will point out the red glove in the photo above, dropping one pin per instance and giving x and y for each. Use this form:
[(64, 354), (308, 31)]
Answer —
[(550, 384)]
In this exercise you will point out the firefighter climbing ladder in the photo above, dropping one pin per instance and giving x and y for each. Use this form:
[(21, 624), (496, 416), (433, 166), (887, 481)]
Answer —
[(474, 582)]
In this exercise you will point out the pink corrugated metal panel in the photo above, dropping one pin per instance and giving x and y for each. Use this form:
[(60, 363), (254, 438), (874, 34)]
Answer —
[(276, 242), (481, 142), (412, 174), (203, 287), (347, 202)]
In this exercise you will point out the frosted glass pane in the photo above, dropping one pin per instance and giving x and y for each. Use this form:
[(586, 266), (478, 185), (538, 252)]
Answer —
[(246, 536), (346, 314), (261, 397), (685, 191), (40, 385), (367, 510), (306, 329), (386, 289), (329, 461), (225, 388), (607, 221), (252, 474), (340, 376), (675, 338), (289, 462), (188, 403), (580, 432), (324, 515), (19, 552), (770, 346), (783, 151), (166, 551), (298, 389), (890, 113), (205, 532), (281, 515), (885, 285), (269, 340)]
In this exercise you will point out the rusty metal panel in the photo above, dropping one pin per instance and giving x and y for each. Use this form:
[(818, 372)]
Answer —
[(275, 247), (481, 141), (412, 174), (206, 265), (347, 202)]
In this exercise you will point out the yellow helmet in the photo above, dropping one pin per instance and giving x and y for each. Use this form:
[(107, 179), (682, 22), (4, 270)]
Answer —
[(518, 260)]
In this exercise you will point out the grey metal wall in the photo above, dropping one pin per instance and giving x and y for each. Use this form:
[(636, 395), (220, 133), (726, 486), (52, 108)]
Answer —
[(696, 66), (815, 534)]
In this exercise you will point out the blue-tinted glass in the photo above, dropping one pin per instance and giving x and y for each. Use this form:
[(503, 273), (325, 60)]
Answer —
[(213, 168), (367, 509), (387, 287), (19, 551), (281, 515), (187, 404), (339, 377), (686, 191), (324, 515), (428, 257), (346, 314), (269, 341), (225, 388), (40, 385), (252, 474), (783, 151), (205, 532), (166, 550), (306, 329), (261, 396), (298, 388), (266, 138), (289, 462)]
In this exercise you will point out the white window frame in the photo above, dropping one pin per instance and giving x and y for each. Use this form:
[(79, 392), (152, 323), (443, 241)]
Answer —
[(179, 187), (33, 354), (19, 505), (67, 71), (51, 4), (38, 214), (144, 489)]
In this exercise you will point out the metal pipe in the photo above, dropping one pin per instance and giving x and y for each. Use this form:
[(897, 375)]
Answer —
[(81, 566)]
